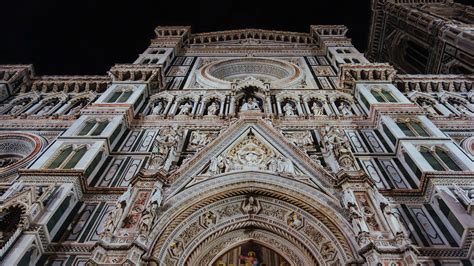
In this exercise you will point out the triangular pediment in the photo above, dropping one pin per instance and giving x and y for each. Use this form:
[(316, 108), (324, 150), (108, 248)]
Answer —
[(250, 145)]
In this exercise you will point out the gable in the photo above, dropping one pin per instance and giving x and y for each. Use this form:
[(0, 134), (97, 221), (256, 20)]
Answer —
[(250, 145)]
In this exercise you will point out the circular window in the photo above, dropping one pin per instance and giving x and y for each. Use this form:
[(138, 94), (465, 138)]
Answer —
[(278, 73), (17, 150)]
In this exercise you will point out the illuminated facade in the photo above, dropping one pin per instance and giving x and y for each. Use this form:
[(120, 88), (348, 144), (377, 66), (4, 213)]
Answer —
[(224, 148)]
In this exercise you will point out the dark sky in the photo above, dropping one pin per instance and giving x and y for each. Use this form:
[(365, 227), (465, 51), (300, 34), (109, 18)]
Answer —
[(87, 37)]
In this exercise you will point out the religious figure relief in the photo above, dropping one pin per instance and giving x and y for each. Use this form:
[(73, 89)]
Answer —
[(208, 219), (301, 139), (344, 108), (185, 108), (355, 215), (176, 248), (295, 220), (200, 139), (337, 143), (165, 149), (428, 107), (158, 108), (317, 108), (250, 104), (251, 206), (213, 109), (289, 110), (327, 251), (218, 165)]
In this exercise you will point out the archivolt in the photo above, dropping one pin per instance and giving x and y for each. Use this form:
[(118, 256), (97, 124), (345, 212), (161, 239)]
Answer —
[(302, 198)]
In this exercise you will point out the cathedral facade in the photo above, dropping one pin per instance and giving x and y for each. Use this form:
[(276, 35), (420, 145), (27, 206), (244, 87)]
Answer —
[(242, 147)]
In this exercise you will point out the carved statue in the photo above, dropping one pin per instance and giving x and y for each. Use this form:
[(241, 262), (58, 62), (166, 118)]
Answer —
[(165, 146), (300, 139), (199, 140), (217, 166), (209, 218), (285, 166), (390, 216), (146, 222), (250, 104), (295, 220), (317, 110), (250, 206), (213, 108), (336, 141), (358, 223), (185, 109), (158, 108), (289, 110), (272, 164), (113, 218), (344, 108)]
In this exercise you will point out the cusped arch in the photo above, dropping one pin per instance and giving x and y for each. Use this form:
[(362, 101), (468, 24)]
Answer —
[(316, 208)]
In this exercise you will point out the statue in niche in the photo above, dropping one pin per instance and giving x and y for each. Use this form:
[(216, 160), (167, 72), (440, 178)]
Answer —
[(358, 223), (391, 217), (149, 214), (289, 110), (250, 104), (17, 108), (158, 108), (250, 206), (185, 109), (462, 108), (317, 109), (428, 107), (344, 108), (213, 109), (113, 217), (165, 147), (47, 108)]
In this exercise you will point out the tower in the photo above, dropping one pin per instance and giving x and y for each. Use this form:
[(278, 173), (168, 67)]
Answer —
[(423, 37), (230, 147)]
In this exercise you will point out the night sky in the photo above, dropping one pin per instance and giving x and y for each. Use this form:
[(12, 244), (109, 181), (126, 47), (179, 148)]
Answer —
[(87, 37)]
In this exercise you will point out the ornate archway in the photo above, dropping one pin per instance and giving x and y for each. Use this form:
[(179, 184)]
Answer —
[(292, 218)]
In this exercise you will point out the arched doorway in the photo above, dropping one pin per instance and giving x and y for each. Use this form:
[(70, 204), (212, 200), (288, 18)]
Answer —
[(290, 220)]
